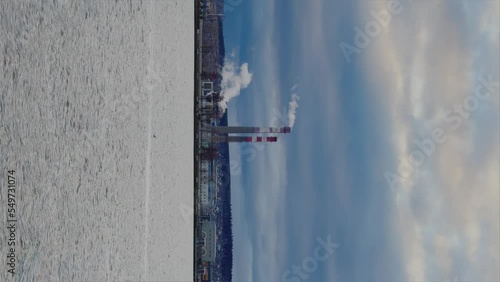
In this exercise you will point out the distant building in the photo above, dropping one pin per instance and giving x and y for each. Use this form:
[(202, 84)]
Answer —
[(208, 250), (207, 189)]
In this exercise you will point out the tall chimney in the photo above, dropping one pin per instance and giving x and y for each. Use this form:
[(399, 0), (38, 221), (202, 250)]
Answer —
[(247, 129), (242, 139)]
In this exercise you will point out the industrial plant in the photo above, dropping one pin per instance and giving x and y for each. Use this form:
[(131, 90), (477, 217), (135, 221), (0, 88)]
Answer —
[(212, 219)]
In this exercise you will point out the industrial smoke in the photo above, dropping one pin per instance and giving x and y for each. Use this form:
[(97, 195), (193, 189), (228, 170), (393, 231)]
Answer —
[(234, 79), (292, 108)]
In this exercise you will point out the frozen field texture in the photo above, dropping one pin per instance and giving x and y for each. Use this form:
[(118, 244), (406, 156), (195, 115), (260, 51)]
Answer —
[(84, 87)]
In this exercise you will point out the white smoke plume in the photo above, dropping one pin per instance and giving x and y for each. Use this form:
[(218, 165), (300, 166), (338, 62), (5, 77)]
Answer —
[(292, 108), (234, 79)]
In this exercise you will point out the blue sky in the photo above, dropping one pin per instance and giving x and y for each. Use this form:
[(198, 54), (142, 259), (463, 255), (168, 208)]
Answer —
[(343, 171)]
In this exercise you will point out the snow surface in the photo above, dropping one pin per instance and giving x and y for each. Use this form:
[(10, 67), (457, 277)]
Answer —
[(84, 87)]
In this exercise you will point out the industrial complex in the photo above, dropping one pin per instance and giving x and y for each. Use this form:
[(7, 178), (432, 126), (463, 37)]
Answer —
[(210, 136)]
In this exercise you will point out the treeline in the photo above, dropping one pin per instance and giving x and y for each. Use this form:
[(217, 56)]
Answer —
[(224, 212), (224, 257)]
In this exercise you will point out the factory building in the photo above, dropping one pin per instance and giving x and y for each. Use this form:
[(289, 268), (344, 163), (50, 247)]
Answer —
[(209, 238), (208, 191)]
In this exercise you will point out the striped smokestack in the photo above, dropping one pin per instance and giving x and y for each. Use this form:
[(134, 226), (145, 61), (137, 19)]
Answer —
[(247, 129), (243, 139)]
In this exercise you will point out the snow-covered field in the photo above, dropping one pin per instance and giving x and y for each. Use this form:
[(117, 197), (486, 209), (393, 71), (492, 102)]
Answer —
[(85, 85)]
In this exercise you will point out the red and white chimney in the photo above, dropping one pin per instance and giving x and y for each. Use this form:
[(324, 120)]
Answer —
[(248, 129), (243, 139)]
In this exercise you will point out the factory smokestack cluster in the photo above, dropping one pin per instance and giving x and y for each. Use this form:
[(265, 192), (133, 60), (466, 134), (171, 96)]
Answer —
[(243, 139), (220, 133), (247, 129)]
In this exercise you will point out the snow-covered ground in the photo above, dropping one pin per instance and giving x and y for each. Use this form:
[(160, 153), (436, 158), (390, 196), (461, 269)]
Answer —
[(85, 86)]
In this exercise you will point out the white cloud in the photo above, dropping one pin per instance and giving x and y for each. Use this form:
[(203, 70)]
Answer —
[(269, 167), (424, 66)]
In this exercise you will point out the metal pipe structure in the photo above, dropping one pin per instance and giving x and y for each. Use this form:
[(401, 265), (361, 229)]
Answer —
[(213, 97), (242, 139), (247, 129)]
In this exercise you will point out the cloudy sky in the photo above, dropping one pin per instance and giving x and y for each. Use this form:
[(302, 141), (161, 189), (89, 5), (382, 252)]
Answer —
[(394, 155)]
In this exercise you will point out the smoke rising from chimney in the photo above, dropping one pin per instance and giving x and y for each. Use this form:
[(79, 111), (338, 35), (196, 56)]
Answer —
[(292, 108), (234, 79)]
